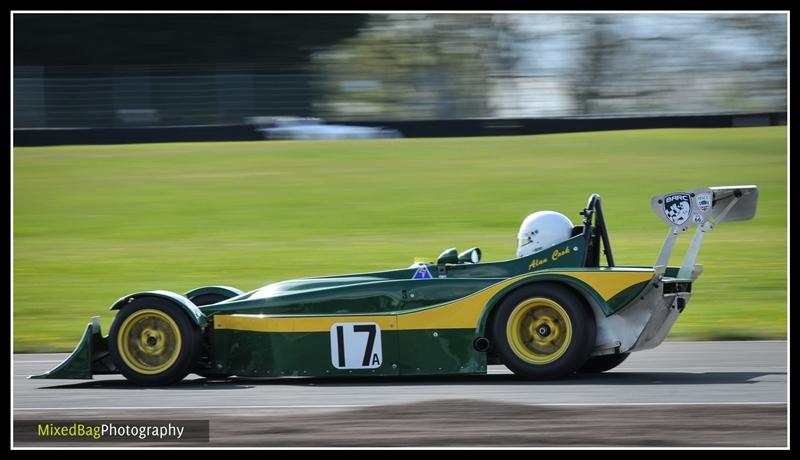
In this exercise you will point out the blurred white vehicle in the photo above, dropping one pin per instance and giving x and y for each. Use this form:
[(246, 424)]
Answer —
[(315, 129)]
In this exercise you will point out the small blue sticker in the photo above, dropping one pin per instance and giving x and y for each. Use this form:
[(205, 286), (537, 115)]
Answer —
[(422, 273)]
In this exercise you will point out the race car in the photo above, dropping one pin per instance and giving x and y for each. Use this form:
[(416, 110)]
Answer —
[(295, 128), (552, 311)]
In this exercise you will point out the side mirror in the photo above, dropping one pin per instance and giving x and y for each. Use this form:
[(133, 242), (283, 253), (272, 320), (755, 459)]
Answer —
[(450, 256), (472, 255)]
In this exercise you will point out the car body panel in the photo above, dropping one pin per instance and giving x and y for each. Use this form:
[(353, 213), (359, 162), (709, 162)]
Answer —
[(430, 339)]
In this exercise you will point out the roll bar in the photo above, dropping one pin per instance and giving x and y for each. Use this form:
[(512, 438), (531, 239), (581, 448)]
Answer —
[(595, 234)]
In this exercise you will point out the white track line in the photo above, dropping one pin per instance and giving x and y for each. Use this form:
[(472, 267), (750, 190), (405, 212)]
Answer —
[(666, 370), (349, 406), (621, 370), (330, 406), (725, 341), (699, 369)]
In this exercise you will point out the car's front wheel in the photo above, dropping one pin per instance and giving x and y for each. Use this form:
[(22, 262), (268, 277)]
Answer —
[(543, 331), (153, 342)]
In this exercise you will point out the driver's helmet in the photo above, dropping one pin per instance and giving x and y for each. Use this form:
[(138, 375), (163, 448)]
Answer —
[(542, 230)]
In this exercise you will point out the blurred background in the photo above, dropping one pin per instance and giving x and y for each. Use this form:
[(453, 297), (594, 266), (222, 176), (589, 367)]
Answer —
[(94, 222), (99, 70)]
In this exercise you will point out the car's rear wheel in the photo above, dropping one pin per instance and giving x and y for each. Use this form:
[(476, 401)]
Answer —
[(543, 331), (597, 364), (153, 342)]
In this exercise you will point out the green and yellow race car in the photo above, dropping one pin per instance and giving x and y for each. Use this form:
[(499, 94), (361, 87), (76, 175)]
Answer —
[(554, 310)]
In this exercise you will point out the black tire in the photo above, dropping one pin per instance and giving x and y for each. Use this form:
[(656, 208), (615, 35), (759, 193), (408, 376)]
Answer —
[(185, 356), (597, 364), (208, 299), (570, 355)]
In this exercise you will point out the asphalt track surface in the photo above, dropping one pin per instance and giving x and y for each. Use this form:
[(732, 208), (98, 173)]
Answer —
[(679, 394)]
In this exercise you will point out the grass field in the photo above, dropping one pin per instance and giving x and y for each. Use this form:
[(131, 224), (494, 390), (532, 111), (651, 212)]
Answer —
[(93, 223)]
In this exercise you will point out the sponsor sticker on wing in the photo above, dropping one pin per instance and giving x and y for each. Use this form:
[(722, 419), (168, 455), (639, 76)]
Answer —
[(677, 207), (703, 201)]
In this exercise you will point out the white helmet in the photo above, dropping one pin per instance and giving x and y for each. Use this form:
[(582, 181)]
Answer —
[(542, 230)]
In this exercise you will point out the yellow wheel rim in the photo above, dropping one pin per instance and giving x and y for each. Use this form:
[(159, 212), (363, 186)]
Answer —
[(149, 341), (539, 330)]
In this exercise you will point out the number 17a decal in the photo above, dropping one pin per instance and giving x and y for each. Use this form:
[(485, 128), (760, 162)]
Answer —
[(356, 346)]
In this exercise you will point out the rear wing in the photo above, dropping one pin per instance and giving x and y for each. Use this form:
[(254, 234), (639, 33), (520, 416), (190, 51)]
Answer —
[(706, 208)]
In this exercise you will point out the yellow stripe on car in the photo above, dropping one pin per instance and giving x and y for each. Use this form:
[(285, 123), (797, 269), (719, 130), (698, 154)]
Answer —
[(463, 313), (263, 323)]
